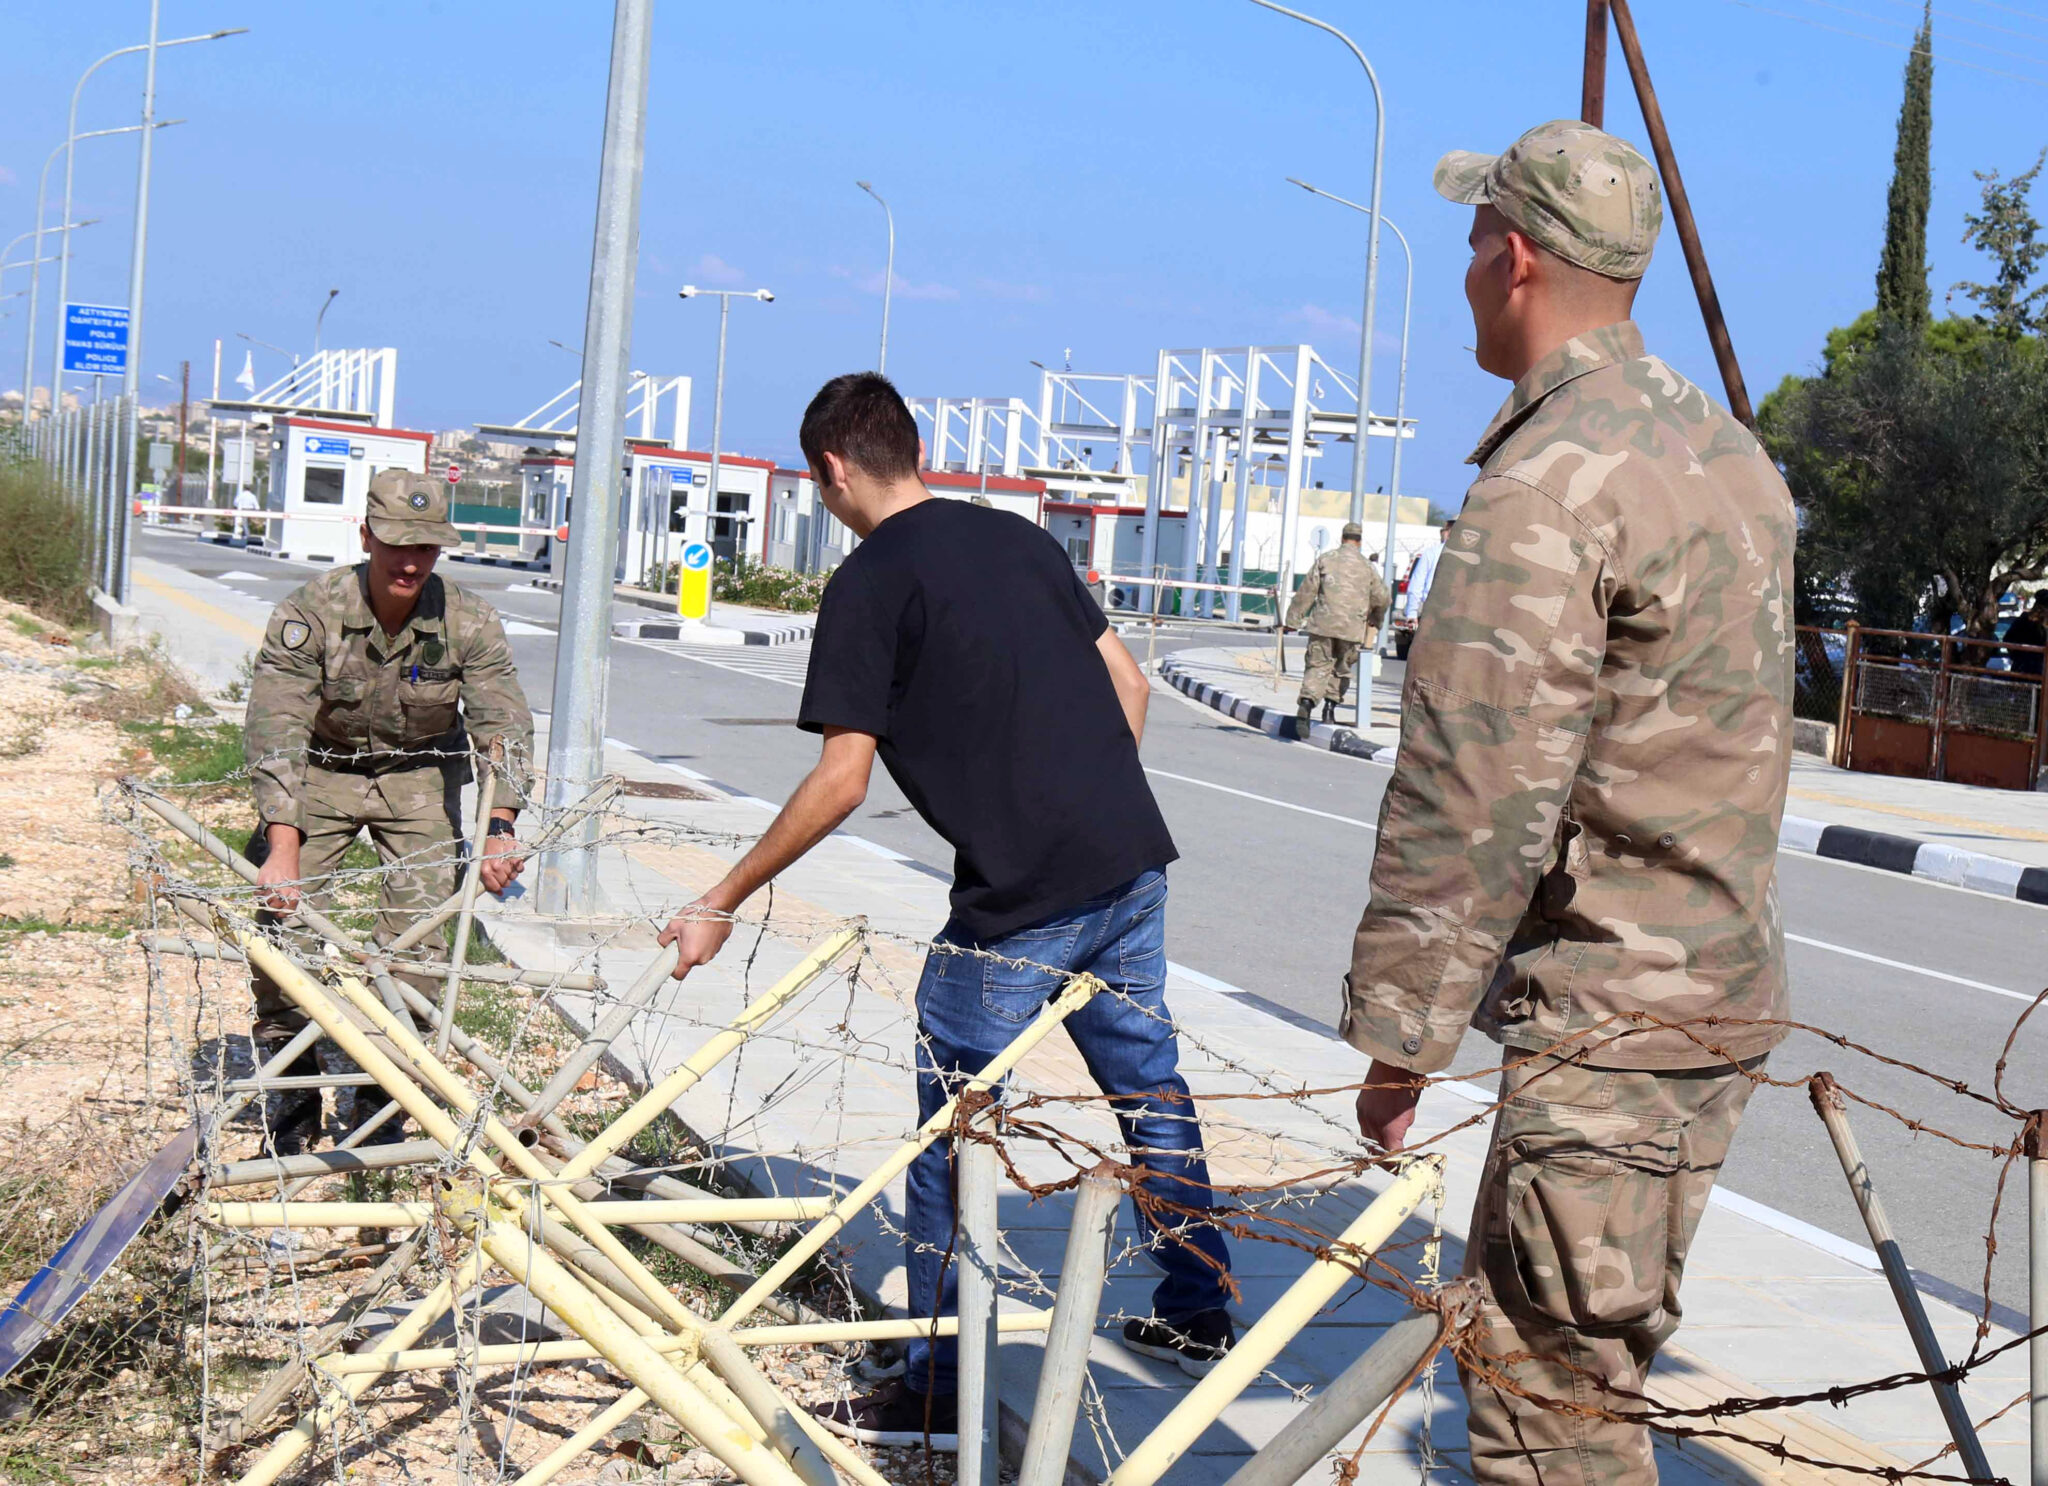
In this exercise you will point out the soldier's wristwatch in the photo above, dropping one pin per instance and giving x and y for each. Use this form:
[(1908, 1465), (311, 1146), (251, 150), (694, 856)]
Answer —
[(500, 826)]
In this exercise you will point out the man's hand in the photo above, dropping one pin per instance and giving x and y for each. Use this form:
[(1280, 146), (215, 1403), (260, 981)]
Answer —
[(1386, 1106), (277, 885), (503, 861), (699, 932)]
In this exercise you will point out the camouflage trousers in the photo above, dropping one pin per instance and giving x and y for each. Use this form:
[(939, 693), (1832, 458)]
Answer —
[(1592, 1192), (414, 818), (1326, 672)]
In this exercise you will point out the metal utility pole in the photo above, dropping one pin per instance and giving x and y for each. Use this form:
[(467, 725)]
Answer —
[(1401, 386), (725, 299), (72, 134), (213, 427), (131, 380), (184, 413), (1372, 255), (568, 876), (888, 277)]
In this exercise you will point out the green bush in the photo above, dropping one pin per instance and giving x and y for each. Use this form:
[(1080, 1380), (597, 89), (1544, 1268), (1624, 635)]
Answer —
[(752, 583), (42, 545)]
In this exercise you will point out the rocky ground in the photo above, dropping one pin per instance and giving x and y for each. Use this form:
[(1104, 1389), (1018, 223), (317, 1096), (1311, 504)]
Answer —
[(101, 1050)]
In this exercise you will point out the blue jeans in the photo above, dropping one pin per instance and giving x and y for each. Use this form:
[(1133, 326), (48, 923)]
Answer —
[(969, 1008)]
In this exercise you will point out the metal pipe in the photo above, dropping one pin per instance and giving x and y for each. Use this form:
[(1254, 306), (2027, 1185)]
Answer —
[(1829, 1105), (594, 1047), (785, 1436), (626, 1212), (138, 263), (1593, 81), (1206, 1401), (519, 1354), (1074, 1312), (655, 1102), (568, 878), (980, 1179), (465, 917), (202, 949), (322, 1163), (1681, 217), (1372, 255), (2034, 1146), (1350, 1398)]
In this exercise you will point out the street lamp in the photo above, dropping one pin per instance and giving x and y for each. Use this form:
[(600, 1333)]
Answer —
[(1401, 386), (576, 351), (35, 278), (888, 276), (1372, 256), (319, 318), (725, 298), (71, 132)]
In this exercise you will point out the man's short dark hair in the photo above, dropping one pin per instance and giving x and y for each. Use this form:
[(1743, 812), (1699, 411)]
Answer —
[(862, 418)]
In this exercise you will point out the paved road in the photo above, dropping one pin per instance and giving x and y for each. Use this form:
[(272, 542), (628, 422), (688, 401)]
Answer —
[(1276, 843)]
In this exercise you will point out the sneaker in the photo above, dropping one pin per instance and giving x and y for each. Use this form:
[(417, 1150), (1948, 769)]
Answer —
[(879, 1367), (1195, 1345), (894, 1415)]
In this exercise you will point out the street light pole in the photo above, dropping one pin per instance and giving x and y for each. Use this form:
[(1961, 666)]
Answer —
[(888, 276), (1372, 256), (568, 877), (725, 299), (1401, 386), (321, 317), (131, 381), (71, 132)]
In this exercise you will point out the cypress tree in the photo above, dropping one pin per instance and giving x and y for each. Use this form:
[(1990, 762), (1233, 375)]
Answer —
[(1902, 267)]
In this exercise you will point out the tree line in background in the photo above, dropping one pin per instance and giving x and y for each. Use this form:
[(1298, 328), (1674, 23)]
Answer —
[(1918, 457)]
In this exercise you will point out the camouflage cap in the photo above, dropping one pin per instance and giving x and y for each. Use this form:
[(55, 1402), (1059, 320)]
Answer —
[(409, 510), (1587, 196), (1352, 532)]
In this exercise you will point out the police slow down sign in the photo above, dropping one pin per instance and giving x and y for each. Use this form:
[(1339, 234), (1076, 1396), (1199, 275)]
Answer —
[(693, 582)]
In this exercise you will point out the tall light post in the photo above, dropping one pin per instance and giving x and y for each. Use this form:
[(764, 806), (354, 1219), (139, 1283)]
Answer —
[(320, 318), (1401, 386), (888, 276), (35, 279), (131, 380), (568, 876), (725, 298), (71, 132), (1372, 256)]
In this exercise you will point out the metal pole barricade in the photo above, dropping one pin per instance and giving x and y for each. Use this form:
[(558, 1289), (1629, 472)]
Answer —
[(979, 1176), (2035, 1147), (1065, 1365)]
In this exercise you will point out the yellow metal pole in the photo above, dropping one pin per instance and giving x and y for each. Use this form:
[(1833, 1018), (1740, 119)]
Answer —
[(517, 1354), (465, 918), (650, 1106), (1295, 1308), (1071, 998), (609, 1213)]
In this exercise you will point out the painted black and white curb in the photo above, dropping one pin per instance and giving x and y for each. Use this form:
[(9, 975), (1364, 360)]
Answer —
[(1908, 854), (1275, 722), (672, 629)]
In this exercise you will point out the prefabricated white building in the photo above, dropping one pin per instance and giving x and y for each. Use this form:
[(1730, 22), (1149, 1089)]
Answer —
[(320, 471), (668, 502)]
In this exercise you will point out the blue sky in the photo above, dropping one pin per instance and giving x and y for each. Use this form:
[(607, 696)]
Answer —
[(1105, 177)]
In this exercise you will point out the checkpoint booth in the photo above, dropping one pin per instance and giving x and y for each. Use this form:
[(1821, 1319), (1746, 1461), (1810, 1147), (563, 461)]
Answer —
[(320, 475), (802, 535), (543, 502), (668, 502)]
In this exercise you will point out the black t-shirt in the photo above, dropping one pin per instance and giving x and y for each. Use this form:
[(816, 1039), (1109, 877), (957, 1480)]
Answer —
[(961, 637)]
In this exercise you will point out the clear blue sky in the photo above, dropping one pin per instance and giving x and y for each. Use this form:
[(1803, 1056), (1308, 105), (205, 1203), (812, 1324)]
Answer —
[(1104, 176)]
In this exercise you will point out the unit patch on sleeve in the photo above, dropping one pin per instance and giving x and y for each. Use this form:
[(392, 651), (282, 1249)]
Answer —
[(293, 632)]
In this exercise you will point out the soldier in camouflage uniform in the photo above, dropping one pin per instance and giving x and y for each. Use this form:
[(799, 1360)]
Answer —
[(1339, 605), (353, 724), (1581, 830)]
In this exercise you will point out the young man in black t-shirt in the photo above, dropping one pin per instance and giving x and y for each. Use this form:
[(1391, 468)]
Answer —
[(958, 643)]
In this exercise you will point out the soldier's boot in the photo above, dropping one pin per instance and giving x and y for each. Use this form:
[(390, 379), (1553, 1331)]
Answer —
[(1329, 710), (1305, 708), (291, 1117)]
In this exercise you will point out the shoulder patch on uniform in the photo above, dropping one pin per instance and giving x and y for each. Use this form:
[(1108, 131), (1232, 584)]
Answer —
[(293, 632)]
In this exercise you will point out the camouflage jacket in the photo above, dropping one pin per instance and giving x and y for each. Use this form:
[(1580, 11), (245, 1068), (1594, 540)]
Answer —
[(332, 687), (1342, 596), (1595, 735)]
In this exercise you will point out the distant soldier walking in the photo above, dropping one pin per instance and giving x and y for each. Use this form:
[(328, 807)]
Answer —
[(1339, 605), (1578, 846), (370, 685)]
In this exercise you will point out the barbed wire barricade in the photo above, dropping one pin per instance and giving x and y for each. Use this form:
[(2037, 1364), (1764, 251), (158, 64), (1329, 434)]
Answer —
[(545, 1259)]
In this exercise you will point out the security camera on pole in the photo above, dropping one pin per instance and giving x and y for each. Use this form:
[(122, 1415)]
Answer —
[(693, 573)]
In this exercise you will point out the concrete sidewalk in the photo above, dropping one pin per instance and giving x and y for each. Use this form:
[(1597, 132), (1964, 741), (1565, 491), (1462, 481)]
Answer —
[(1245, 683), (1771, 1305)]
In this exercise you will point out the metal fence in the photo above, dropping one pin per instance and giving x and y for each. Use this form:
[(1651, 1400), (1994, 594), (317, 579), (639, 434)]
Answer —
[(91, 452)]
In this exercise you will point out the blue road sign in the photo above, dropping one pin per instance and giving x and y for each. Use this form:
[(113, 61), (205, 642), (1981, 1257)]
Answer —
[(96, 338), (696, 556)]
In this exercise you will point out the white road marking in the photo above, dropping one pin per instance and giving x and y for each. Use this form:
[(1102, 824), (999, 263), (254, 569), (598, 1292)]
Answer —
[(238, 576), (785, 665), (521, 627), (1857, 954), (1245, 794)]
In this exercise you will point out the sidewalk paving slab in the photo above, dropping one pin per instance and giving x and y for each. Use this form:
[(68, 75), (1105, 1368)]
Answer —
[(826, 1095)]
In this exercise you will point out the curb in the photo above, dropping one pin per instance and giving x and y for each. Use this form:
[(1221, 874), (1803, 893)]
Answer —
[(672, 629), (1908, 855), (1273, 721), (493, 560)]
